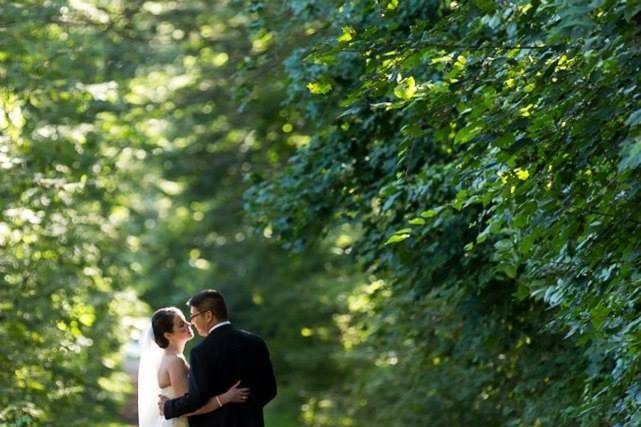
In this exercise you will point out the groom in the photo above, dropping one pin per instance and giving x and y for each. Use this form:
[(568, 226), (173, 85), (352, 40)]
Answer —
[(225, 356)]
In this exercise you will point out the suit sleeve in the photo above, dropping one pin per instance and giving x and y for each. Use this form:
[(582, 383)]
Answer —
[(266, 389), (197, 395)]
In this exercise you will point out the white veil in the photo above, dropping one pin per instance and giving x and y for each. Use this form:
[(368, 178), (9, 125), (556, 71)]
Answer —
[(148, 389)]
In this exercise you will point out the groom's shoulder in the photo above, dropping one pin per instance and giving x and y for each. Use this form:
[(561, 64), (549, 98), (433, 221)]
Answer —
[(249, 336), (247, 333), (197, 348)]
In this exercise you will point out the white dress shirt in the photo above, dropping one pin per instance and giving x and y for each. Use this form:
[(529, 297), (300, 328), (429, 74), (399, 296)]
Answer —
[(226, 322)]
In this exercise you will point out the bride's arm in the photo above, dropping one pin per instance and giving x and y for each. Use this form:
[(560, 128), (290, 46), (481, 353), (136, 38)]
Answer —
[(178, 371), (197, 386), (234, 394)]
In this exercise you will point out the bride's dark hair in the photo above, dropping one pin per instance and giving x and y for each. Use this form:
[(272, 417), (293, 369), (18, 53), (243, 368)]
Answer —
[(163, 321)]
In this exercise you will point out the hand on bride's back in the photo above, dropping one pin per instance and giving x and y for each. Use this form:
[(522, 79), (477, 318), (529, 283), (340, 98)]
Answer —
[(237, 394)]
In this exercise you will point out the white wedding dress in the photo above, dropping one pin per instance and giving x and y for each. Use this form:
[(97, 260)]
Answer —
[(148, 388), (174, 422)]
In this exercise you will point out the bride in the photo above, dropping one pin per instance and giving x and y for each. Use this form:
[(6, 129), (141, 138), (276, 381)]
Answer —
[(163, 370)]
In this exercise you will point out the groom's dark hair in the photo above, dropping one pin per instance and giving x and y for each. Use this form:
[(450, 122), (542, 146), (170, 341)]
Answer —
[(210, 300)]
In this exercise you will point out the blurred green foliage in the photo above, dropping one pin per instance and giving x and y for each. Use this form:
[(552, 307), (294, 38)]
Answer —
[(128, 136), (62, 282), (488, 151), (207, 133)]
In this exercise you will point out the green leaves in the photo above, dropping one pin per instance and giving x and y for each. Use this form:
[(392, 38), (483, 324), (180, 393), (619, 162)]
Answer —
[(396, 238), (319, 88), (598, 315), (392, 4), (634, 119), (466, 134), (406, 89), (630, 154), (347, 35), (491, 159), (66, 169), (487, 6)]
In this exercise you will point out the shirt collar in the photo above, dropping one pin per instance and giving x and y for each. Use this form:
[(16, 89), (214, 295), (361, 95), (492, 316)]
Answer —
[(217, 325)]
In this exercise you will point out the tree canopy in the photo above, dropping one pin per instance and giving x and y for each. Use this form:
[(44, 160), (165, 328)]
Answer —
[(487, 151)]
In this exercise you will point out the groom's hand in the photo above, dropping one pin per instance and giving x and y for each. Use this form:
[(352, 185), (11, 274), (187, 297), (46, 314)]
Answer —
[(161, 404)]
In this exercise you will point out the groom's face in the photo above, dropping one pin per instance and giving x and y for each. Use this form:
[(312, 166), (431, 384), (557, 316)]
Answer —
[(200, 320)]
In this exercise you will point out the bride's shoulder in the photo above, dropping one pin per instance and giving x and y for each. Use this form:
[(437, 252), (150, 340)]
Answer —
[(174, 360)]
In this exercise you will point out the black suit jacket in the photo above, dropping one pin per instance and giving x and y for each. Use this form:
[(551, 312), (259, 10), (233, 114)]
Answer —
[(225, 356)]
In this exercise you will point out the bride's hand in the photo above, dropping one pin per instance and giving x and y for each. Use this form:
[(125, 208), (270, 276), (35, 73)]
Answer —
[(236, 394)]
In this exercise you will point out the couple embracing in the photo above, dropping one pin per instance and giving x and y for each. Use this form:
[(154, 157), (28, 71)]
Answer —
[(229, 377)]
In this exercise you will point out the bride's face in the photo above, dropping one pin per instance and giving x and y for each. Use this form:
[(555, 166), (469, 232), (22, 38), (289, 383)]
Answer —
[(182, 329)]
